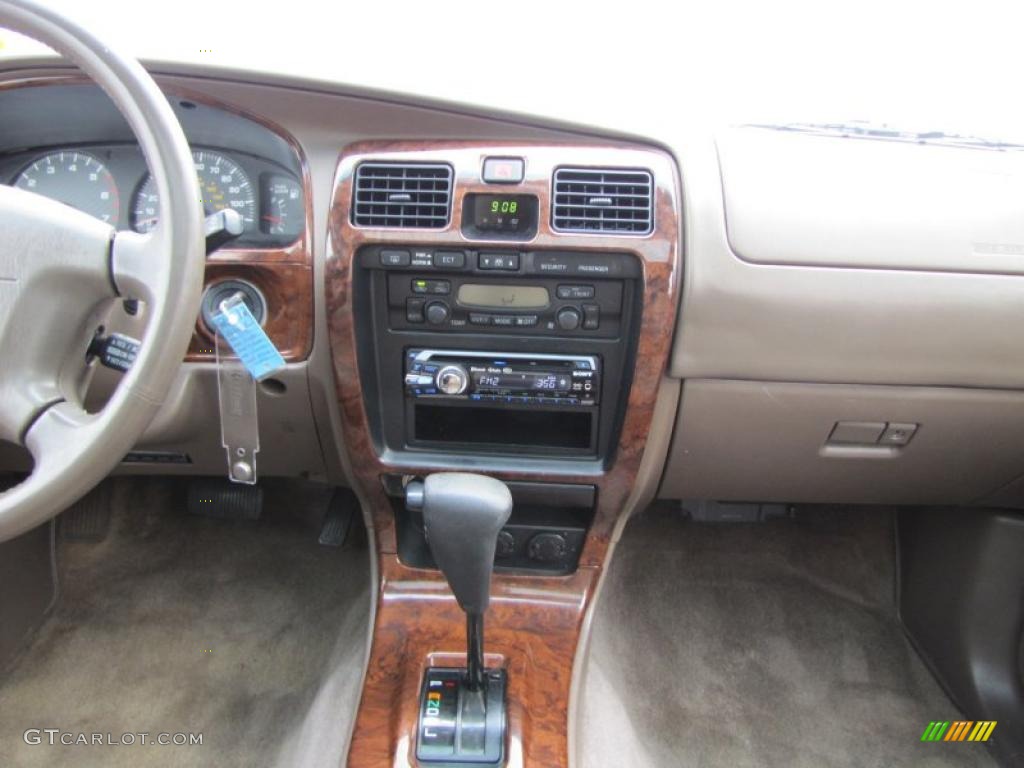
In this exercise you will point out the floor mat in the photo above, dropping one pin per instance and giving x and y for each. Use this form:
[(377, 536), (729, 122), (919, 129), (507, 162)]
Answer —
[(248, 633), (758, 645)]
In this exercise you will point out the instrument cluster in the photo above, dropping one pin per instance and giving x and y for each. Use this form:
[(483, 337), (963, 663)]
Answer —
[(112, 183)]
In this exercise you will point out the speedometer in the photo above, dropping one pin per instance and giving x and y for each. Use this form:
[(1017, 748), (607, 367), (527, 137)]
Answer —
[(77, 179), (222, 184)]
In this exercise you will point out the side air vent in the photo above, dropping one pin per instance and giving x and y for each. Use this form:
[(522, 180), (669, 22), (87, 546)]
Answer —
[(603, 200), (409, 196)]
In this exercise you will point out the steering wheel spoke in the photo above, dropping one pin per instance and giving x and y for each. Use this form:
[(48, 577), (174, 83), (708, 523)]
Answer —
[(54, 275), (134, 264), (52, 436)]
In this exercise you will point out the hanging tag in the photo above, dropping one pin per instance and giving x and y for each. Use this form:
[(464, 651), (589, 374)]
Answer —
[(236, 387), (250, 342)]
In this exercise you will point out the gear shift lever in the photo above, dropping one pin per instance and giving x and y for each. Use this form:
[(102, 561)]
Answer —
[(463, 514)]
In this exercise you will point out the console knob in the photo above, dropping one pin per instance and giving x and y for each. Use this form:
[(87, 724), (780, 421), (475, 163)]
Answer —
[(452, 380), (547, 547), (437, 313), (506, 545), (568, 318)]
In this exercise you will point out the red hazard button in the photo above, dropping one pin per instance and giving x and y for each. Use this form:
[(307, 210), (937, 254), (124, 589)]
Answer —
[(504, 170)]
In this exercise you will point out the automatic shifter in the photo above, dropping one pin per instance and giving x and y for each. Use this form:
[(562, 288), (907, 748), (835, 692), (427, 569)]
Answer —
[(462, 712)]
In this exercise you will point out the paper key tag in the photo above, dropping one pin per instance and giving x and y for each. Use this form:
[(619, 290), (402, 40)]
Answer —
[(252, 345)]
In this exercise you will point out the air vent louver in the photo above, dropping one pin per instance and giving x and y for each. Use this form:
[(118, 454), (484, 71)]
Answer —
[(603, 200), (409, 196)]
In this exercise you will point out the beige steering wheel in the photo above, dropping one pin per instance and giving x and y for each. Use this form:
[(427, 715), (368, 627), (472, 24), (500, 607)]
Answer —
[(58, 265)]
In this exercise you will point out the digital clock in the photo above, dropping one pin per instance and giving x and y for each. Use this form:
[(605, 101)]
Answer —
[(505, 216)]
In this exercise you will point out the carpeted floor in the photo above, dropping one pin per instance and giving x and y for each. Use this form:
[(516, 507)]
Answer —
[(772, 645), (249, 633)]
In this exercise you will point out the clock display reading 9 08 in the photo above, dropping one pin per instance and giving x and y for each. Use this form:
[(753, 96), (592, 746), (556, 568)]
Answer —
[(504, 213)]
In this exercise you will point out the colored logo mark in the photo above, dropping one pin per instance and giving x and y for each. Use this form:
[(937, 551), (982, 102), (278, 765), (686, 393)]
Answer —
[(959, 730)]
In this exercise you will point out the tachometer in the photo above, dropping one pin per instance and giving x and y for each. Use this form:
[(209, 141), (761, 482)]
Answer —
[(74, 178), (222, 184)]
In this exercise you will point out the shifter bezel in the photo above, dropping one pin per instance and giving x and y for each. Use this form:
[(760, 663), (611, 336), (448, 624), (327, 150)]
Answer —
[(495, 719)]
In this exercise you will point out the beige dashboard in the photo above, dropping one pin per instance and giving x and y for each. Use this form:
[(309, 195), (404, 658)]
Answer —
[(822, 282)]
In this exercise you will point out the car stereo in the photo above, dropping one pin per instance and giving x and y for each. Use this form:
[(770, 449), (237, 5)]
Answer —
[(505, 378)]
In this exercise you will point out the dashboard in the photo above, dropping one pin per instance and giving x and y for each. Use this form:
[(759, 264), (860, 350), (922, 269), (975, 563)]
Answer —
[(840, 322)]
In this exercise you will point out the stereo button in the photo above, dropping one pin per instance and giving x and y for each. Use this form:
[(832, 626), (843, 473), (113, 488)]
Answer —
[(479, 318), (504, 320), (452, 380), (418, 380), (526, 321)]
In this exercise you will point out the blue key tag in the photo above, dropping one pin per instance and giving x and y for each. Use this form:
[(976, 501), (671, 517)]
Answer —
[(250, 342)]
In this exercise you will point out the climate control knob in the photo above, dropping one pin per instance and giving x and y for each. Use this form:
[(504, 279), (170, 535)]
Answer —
[(452, 380), (437, 313), (568, 318)]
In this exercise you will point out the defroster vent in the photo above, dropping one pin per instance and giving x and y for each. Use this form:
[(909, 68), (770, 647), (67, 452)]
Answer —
[(414, 196), (603, 200)]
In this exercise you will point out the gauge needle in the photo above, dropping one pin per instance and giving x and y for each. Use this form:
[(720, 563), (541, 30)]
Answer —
[(274, 219)]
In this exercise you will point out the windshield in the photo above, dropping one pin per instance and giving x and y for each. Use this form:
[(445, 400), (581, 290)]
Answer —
[(638, 66)]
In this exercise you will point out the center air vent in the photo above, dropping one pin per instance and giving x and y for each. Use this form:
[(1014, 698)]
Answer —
[(614, 201), (408, 196)]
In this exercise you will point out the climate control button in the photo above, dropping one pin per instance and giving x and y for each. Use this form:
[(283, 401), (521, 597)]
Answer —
[(437, 313), (568, 318)]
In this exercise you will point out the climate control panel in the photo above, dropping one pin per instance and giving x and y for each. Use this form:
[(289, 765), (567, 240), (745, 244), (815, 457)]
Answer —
[(496, 291)]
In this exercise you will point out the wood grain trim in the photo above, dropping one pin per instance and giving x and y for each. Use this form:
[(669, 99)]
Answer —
[(534, 623), (283, 273), (531, 630), (288, 289)]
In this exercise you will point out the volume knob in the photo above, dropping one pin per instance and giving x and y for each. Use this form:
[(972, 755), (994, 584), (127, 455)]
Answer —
[(452, 380)]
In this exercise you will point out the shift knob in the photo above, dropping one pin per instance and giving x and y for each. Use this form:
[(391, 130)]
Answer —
[(463, 514)]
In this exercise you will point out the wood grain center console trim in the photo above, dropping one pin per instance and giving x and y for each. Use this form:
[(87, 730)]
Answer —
[(533, 625)]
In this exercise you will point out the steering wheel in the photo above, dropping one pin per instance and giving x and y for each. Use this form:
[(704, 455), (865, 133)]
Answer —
[(59, 266)]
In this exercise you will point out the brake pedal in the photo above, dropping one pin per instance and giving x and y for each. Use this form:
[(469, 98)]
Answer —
[(213, 497), (88, 519), (338, 519)]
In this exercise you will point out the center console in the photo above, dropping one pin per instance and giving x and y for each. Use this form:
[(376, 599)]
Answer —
[(479, 350), (499, 310)]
